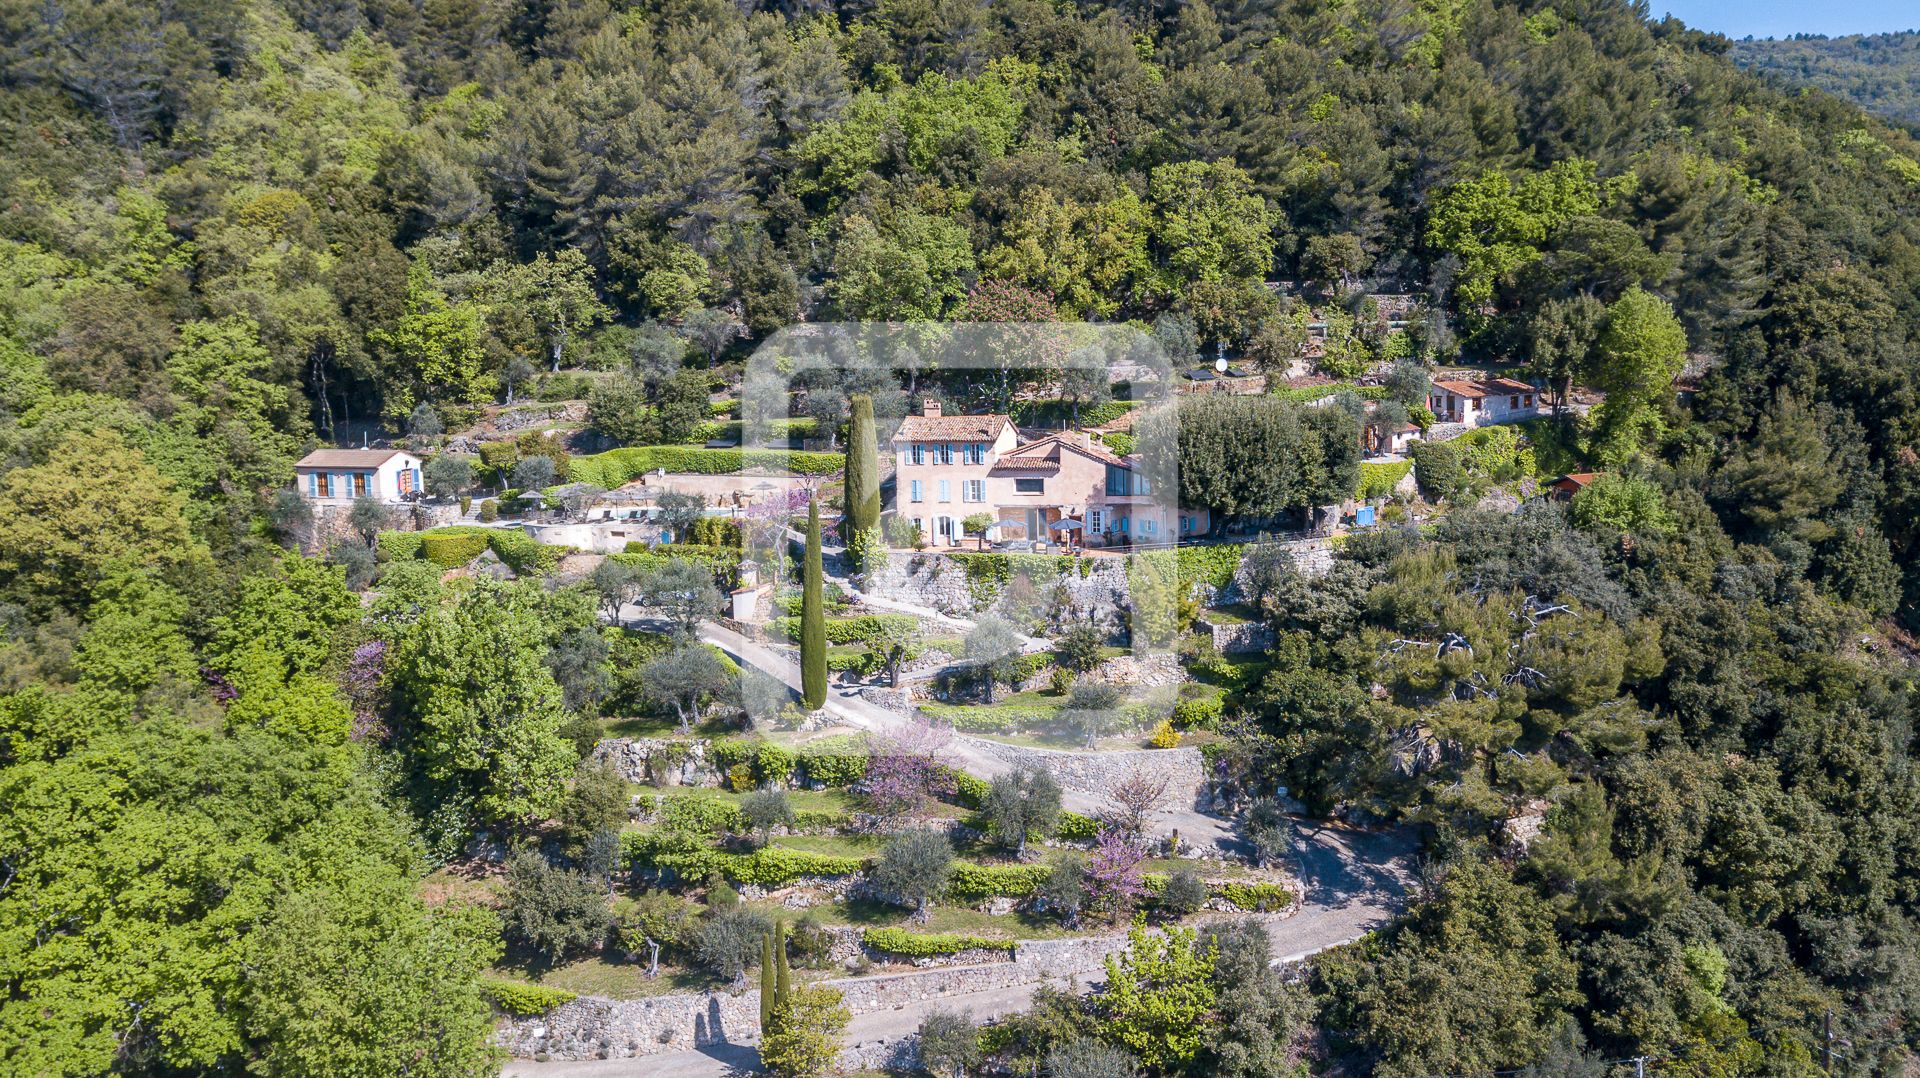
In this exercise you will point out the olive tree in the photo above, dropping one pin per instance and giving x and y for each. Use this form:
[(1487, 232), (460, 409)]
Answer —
[(914, 867), (1021, 804)]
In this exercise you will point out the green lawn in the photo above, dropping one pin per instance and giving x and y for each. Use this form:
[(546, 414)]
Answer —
[(957, 919), (664, 726), (603, 975)]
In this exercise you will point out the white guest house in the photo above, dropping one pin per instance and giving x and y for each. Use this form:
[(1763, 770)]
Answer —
[(343, 476)]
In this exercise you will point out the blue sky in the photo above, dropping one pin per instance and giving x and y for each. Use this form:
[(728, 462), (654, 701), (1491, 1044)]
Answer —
[(1779, 18)]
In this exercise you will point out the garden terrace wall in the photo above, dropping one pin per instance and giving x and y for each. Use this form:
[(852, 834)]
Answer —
[(1096, 774), (595, 1028)]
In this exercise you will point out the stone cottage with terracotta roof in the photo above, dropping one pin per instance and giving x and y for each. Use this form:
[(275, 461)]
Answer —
[(1484, 401)]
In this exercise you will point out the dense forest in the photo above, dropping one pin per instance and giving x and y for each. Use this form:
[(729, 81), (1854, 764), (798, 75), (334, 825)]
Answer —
[(234, 229), (1879, 72)]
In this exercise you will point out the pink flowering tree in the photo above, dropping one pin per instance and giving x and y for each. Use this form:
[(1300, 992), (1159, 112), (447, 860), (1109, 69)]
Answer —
[(766, 519), (907, 769), (1114, 878), (364, 683)]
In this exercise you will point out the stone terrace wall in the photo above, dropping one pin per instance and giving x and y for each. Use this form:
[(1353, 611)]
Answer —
[(940, 582), (594, 1028), (1096, 773), (634, 759)]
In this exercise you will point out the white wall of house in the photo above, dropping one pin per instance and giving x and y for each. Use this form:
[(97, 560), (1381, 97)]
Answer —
[(388, 481)]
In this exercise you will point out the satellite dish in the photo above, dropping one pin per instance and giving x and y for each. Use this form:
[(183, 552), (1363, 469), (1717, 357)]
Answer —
[(1220, 365)]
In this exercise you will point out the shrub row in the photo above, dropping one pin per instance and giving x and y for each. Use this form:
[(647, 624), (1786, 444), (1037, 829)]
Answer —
[(459, 544), (1074, 827), (989, 719), (1378, 480), (777, 429), (925, 945), (617, 467), (971, 882), (524, 1000), (1199, 712), (1305, 394), (1260, 897), (866, 629), (769, 866)]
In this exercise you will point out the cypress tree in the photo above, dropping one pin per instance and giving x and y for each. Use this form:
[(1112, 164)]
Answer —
[(768, 986), (863, 470), (783, 979), (813, 619)]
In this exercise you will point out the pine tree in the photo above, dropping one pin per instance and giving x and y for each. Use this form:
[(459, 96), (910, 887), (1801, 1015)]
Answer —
[(813, 621)]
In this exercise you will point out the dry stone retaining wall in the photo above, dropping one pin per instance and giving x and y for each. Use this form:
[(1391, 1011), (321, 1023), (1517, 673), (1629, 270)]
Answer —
[(594, 1028), (1096, 773), (672, 763), (940, 582)]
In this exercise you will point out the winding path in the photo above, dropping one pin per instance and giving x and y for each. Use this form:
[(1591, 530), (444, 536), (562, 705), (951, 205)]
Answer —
[(1352, 882)]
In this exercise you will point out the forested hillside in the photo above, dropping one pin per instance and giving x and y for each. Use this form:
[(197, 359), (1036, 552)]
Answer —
[(232, 230), (1879, 72)]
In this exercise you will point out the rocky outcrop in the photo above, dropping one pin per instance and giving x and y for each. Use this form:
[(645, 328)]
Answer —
[(659, 761), (1095, 587)]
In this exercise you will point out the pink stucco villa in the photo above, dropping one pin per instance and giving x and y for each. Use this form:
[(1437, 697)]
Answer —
[(948, 468)]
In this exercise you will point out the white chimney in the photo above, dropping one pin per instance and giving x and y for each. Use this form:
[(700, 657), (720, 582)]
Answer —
[(930, 408)]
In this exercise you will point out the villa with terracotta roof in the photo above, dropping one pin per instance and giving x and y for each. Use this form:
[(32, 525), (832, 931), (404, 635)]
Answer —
[(347, 475), (1484, 401), (948, 468)]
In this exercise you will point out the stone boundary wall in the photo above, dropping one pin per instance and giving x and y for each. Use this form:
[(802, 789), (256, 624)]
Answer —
[(1236, 638), (595, 1028), (1096, 773)]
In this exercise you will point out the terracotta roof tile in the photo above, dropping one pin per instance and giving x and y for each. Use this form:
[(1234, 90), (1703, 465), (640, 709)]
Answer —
[(919, 428), (347, 458)]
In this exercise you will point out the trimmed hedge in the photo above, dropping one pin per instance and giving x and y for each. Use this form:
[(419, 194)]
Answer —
[(454, 546), (523, 1000), (866, 629), (926, 945), (989, 718), (830, 768), (699, 814), (720, 425), (1199, 712), (1260, 897), (769, 866), (1074, 827), (450, 551), (1378, 480), (969, 790), (971, 882), (618, 467), (1306, 394)]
